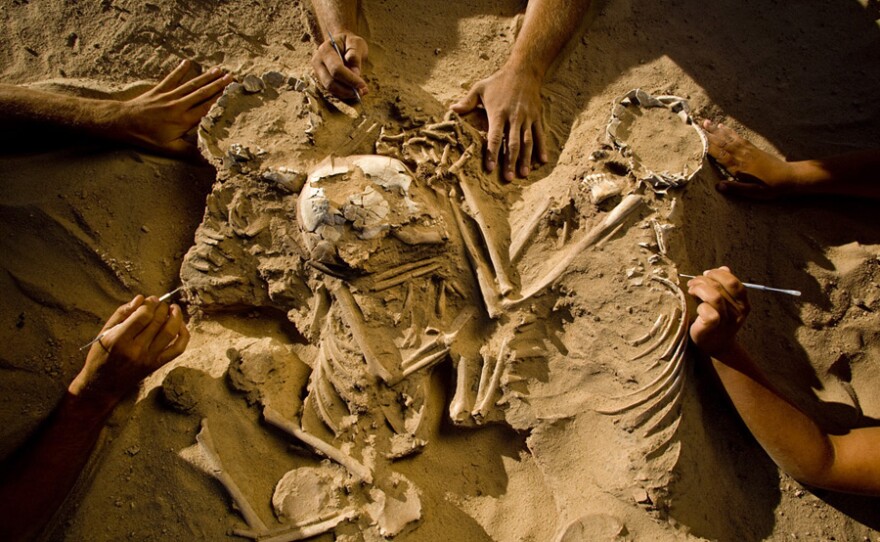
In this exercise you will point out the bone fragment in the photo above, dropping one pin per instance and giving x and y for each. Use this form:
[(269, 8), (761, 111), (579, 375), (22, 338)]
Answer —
[(428, 361), (355, 467), (409, 275), (563, 237), (439, 136), (395, 137), (489, 396), (661, 232), (463, 400), (352, 316), (448, 125), (676, 315), (205, 457), (527, 231), (444, 157), (399, 270), (488, 238), (465, 156), (658, 323), (617, 215), (441, 301), (487, 287), (299, 532)]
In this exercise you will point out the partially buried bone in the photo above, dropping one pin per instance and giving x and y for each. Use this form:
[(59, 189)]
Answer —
[(527, 231), (299, 532), (424, 357), (489, 238), (463, 401), (486, 390), (355, 467), (627, 206), (353, 317), (663, 392), (484, 274), (203, 455)]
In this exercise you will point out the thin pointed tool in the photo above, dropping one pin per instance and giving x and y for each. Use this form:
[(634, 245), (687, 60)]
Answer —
[(101, 335), (796, 293), (342, 57)]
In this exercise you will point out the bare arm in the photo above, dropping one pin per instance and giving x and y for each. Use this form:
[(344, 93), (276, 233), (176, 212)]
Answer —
[(37, 479), (340, 76), (761, 175), (512, 95), (157, 119), (848, 462)]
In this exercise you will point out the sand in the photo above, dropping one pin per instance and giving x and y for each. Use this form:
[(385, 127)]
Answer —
[(86, 227)]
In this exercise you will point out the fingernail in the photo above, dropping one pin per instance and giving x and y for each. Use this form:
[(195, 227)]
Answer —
[(490, 165), (508, 175), (721, 187), (214, 70), (525, 171), (544, 157)]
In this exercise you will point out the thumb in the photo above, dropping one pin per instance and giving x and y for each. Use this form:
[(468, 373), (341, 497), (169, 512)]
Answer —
[(468, 103)]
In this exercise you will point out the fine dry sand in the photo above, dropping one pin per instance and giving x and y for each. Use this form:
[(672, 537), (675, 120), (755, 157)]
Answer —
[(84, 227)]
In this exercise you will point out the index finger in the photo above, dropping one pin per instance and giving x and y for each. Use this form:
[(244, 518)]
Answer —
[(340, 71), (136, 322)]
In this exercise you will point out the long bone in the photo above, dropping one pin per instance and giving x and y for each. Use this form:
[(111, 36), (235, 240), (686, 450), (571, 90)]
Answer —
[(463, 401), (488, 396), (351, 314), (527, 231), (326, 398), (484, 281), (293, 533), (203, 455), (504, 284), (355, 467), (617, 215)]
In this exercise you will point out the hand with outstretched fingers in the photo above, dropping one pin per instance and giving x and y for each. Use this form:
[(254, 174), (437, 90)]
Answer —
[(140, 337), (722, 311), (342, 77), (512, 100), (160, 118)]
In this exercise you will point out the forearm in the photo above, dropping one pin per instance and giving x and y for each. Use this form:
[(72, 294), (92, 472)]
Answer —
[(37, 479), (853, 174), (547, 27), (336, 16), (22, 108), (789, 436)]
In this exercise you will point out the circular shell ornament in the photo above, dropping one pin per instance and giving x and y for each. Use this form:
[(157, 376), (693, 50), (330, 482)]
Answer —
[(659, 138)]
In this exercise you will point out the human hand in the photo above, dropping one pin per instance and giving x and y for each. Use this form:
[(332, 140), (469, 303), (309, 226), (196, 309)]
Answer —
[(342, 78), (159, 118), (757, 174), (721, 313), (512, 99), (141, 336)]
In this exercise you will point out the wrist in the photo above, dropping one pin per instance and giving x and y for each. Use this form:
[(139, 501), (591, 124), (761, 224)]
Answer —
[(87, 397), (526, 71)]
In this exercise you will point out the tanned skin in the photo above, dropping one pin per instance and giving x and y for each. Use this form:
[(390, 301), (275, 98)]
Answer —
[(760, 175), (511, 96), (156, 120), (36, 479), (847, 462)]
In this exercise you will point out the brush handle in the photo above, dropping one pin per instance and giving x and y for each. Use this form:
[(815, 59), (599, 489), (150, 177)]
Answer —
[(753, 286)]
